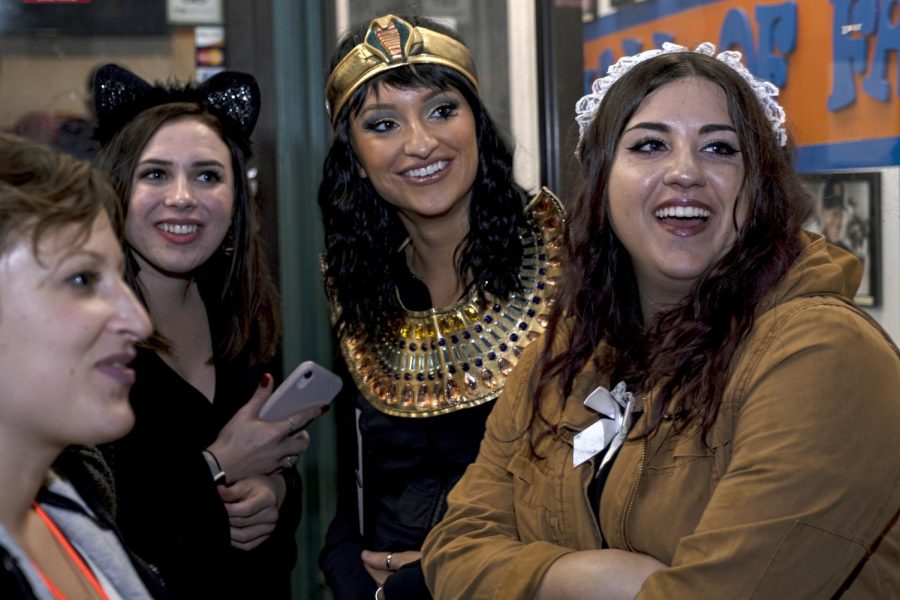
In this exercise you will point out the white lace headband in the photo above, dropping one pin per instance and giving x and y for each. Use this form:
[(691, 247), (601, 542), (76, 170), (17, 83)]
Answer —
[(765, 92)]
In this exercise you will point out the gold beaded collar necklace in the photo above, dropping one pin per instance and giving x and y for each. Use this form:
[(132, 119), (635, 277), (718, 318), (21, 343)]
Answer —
[(442, 360)]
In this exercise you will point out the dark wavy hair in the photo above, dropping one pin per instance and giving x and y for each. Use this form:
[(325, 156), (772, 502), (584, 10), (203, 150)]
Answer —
[(235, 282), (363, 232), (686, 351)]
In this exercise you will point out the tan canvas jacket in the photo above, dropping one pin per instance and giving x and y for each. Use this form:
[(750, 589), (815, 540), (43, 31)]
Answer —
[(799, 482)]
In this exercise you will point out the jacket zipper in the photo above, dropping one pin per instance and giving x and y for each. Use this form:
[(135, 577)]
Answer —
[(634, 488), (437, 513)]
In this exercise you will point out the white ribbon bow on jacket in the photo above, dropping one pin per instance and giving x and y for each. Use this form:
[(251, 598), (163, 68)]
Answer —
[(612, 428)]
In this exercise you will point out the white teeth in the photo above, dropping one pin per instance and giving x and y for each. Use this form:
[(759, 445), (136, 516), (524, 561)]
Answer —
[(429, 170), (178, 229), (682, 212)]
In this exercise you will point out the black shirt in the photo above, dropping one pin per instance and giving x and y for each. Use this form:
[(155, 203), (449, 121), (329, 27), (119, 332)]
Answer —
[(408, 467), (169, 511)]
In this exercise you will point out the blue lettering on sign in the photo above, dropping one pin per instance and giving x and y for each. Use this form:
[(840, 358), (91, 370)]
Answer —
[(777, 25), (857, 26), (659, 38), (630, 47), (736, 34), (849, 55), (876, 84), (777, 39)]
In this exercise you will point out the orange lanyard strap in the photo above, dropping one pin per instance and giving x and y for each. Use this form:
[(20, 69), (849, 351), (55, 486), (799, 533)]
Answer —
[(53, 589), (73, 555)]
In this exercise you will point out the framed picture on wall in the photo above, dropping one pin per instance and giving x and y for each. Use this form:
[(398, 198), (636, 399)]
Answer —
[(847, 213)]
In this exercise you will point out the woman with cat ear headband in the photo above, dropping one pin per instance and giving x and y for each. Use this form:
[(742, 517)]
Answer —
[(207, 491)]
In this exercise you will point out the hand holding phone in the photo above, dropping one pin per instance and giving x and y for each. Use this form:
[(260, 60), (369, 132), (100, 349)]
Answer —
[(310, 384)]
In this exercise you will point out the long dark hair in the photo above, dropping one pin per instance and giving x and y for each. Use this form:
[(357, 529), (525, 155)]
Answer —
[(237, 276), (363, 232), (686, 351)]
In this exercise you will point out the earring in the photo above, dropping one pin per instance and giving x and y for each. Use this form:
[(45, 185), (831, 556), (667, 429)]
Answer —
[(228, 243)]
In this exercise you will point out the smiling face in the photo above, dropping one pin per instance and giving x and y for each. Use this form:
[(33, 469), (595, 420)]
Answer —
[(182, 198), (68, 326), (418, 147), (673, 187)]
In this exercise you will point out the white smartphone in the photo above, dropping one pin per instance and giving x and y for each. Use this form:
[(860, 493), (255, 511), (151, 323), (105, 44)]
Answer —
[(310, 384)]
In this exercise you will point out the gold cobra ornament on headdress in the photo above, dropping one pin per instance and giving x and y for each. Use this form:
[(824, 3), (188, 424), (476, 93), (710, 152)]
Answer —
[(391, 42)]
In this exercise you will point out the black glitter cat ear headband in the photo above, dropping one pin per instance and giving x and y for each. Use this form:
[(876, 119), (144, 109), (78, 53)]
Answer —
[(120, 95)]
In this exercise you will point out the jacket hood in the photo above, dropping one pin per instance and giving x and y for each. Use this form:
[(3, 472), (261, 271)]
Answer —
[(821, 268)]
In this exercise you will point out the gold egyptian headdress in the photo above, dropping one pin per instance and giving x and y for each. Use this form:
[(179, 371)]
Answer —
[(391, 42)]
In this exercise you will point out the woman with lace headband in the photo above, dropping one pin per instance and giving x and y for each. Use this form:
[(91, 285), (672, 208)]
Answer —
[(438, 268), (206, 490), (710, 415)]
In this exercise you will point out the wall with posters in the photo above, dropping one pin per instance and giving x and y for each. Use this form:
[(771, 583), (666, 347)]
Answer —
[(837, 66)]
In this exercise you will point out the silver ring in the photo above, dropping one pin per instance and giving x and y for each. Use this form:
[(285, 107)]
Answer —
[(387, 560), (288, 462)]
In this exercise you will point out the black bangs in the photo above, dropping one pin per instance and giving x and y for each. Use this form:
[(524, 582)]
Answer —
[(436, 77)]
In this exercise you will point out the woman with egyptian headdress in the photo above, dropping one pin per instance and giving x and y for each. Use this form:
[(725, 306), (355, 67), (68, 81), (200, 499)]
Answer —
[(439, 268)]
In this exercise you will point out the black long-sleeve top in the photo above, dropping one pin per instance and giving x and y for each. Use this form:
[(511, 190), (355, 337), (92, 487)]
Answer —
[(169, 511), (408, 467)]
